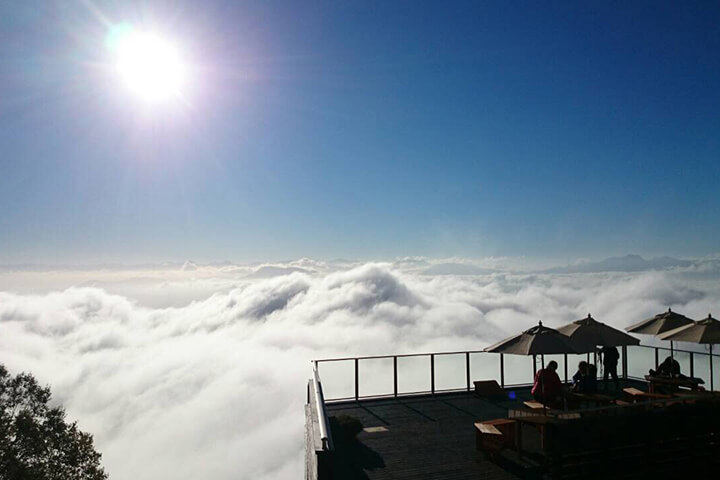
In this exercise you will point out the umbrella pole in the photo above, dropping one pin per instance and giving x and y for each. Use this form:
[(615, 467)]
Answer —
[(711, 370), (542, 380)]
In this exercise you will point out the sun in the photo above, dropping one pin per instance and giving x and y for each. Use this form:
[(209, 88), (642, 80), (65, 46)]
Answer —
[(149, 65)]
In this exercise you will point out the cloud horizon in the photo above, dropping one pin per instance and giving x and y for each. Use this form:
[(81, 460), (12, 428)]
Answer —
[(202, 370)]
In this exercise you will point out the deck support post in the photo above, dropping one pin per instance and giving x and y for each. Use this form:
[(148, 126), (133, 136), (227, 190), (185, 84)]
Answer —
[(502, 371), (467, 370), (624, 362), (395, 379), (357, 381), (432, 373), (692, 364)]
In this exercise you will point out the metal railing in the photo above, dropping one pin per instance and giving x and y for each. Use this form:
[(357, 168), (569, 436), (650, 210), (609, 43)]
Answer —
[(385, 377), (691, 362), (323, 424)]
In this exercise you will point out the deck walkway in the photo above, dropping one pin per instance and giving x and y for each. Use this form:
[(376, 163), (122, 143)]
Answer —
[(429, 437), (424, 437)]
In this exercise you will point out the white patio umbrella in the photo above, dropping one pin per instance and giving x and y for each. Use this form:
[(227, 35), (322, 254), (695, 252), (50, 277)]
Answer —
[(588, 333), (706, 331), (660, 323), (538, 340)]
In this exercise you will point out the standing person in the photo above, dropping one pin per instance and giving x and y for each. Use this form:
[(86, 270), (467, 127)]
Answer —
[(610, 356), (547, 387)]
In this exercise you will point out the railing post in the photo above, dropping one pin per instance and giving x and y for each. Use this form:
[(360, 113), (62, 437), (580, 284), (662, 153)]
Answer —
[(395, 380), (502, 371), (357, 382), (432, 373), (692, 364), (657, 358), (467, 369), (534, 367), (625, 362), (566, 367)]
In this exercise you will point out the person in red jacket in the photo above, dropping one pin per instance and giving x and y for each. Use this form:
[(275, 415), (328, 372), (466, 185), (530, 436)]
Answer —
[(547, 387)]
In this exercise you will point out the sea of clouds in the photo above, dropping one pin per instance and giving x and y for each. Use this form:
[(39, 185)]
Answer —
[(199, 371)]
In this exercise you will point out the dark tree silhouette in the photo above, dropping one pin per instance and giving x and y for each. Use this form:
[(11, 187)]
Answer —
[(35, 441)]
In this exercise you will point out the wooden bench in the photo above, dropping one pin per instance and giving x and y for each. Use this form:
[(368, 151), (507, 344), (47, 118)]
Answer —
[(488, 388), (492, 436), (534, 405), (636, 395), (596, 399), (673, 384)]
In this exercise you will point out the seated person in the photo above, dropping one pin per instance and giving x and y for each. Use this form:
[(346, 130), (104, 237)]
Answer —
[(585, 379), (668, 368), (547, 387)]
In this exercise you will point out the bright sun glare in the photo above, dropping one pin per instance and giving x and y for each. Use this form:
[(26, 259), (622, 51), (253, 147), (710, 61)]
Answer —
[(149, 65)]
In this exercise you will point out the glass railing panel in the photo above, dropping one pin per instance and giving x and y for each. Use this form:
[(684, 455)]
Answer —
[(450, 372), (683, 359), (701, 363), (663, 353), (375, 376), (338, 379), (414, 374), (573, 362), (640, 360), (519, 369), (484, 366)]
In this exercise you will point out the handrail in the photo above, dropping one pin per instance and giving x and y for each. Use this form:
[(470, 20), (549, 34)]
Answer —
[(459, 352), (371, 357), (320, 407)]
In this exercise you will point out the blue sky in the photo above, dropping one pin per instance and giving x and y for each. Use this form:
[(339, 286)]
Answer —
[(363, 130)]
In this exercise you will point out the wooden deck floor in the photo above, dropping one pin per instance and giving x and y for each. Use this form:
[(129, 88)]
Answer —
[(422, 438)]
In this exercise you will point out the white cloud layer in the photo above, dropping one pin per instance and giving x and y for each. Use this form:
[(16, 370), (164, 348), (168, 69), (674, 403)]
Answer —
[(200, 372)]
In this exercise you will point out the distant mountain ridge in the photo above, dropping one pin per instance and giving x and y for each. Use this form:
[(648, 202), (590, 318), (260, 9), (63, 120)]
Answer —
[(628, 263), (457, 269), (270, 271)]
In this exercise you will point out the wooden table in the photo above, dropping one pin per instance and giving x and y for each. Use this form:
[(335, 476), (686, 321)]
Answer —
[(673, 383), (539, 422), (635, 395), (596, 399)]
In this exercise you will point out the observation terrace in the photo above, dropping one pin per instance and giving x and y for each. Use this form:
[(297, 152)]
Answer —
[(418, 414)]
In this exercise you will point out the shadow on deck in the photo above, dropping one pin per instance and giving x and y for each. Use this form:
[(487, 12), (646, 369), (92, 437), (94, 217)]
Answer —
[(428, 437), (424, 437)]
